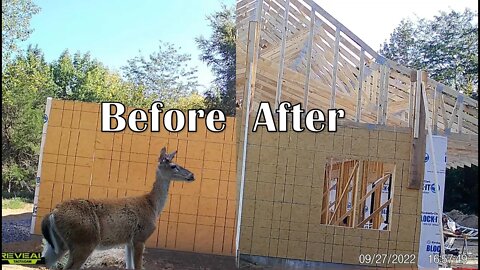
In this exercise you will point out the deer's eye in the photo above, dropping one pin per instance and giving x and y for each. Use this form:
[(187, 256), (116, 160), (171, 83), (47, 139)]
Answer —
[(173, 166)]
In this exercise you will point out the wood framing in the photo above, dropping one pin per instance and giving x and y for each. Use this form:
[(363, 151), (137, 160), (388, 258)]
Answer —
[(307, 56)]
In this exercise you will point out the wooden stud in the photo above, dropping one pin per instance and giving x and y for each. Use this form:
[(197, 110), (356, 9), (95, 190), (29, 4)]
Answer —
[(357, 192), (335, 68), (460, 119), (381, 90), (282, 54), (375, 213), (419, 143), (258, 15), (342, 217), (252, 53), (358, 114), (385, 96), (444, 113), (378, 194), (378, 182), (416, 128), (309, 58), (435, 102), (341, 198)]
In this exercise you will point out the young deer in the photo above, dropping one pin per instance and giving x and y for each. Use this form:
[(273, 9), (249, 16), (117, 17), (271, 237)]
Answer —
[(80, 226)]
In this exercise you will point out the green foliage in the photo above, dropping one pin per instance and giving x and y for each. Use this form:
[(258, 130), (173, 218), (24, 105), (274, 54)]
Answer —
[(85, 79), (461, 190), (14, 203), (26, 83), (16, 16), (194, 101), (164, 75), (28, 80), (446, 46), (218, 51)]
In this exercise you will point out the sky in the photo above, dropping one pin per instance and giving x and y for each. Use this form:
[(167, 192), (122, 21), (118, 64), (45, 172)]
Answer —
[(115, 31), (373, 20)]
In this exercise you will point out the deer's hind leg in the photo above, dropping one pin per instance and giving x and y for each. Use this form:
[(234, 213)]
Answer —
[(138, 248), (78, 255)]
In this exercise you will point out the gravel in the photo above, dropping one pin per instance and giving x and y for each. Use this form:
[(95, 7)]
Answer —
[(114, 257), (16, 230)]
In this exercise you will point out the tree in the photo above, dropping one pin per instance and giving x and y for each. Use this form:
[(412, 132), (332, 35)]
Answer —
[(26, 83), (194, 101), (85, 79), (218, 51), (16, 16), (164, 75), (446, 46), (461, 190)]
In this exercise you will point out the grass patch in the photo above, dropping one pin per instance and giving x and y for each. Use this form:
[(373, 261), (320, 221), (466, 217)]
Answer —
[(14, 203)]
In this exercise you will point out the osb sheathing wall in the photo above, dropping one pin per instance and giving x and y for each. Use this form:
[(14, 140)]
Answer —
[(283, 195), (80, 161)]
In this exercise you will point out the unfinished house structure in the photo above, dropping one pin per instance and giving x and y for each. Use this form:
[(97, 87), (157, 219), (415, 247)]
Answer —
[(330, 197)]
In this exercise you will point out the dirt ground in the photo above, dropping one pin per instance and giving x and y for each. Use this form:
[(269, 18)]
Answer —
[(113, 259)]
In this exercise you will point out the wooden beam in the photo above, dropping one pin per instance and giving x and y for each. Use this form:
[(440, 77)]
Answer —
[(339, 188), (377, 196), (378, 182), (444, 115), (375, 213), (347, 187), (447, 90), (436, 100), (381, 88), (417, 165), (385, 96), (416, 128), (357, 192), (309, 58), (460, 119), (252, 56), (342, 217), (251, 72), (327, 183), (258, 14), (335, 67), (282, 54), (411, 101), (358, 114), (454, 112)]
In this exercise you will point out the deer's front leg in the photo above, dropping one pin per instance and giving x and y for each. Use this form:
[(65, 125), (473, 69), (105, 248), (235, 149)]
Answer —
[(138, 254), (129, 256)]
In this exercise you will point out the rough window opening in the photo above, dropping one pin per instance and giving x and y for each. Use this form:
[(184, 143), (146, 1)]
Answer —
[(358, 193)]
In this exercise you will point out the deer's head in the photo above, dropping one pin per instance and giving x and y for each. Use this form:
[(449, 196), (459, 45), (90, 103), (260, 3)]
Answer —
[(172, 170)]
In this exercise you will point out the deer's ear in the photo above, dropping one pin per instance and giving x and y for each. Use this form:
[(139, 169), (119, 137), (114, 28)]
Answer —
[(172, 155), (163, 154)]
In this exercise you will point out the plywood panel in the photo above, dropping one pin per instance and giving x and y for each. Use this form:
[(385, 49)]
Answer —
[(283, 207), (80, 161)]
